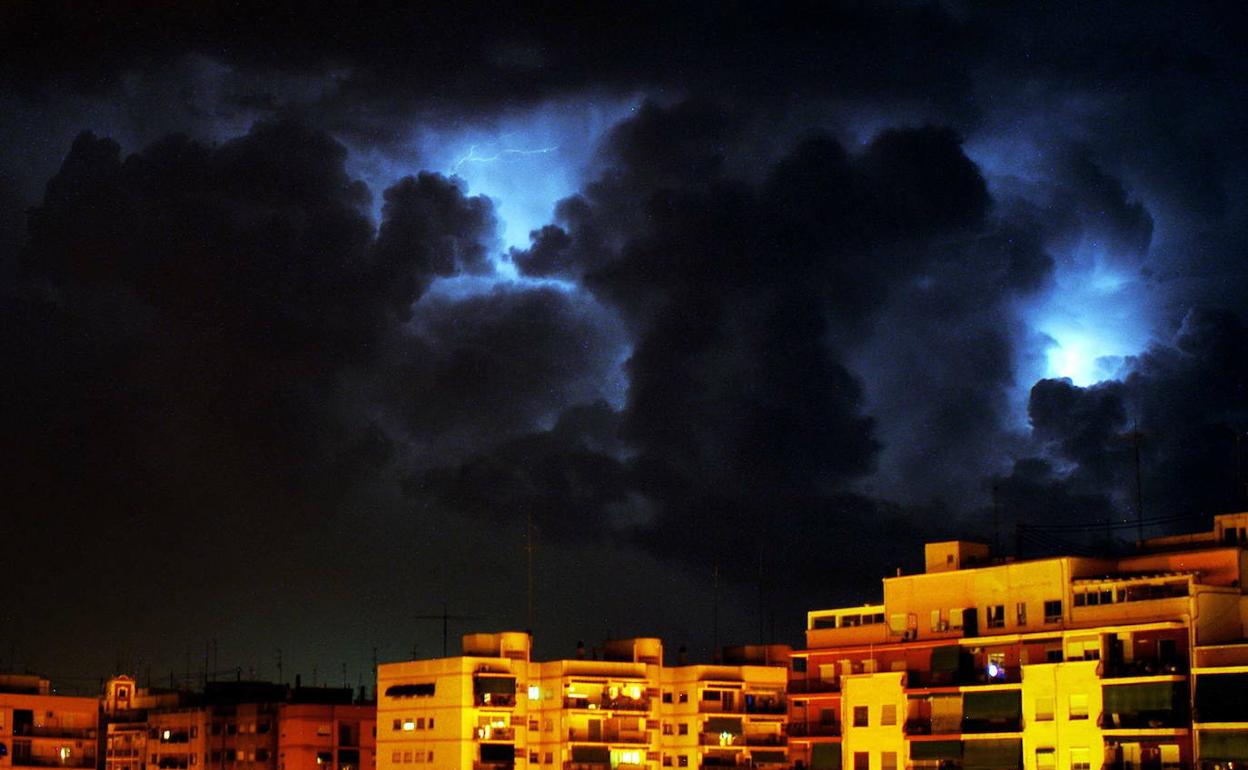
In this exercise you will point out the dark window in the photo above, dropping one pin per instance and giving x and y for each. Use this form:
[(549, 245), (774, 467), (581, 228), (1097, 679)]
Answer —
[(682, 729), (996, 616), (1053, 611), (682, 761), (861, 718), (710, 695), (667, 697), (862, 760), (799, 665)]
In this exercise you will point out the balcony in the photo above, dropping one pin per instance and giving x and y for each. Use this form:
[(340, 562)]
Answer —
[(973, 726), (808, 686), (813, 729), (493, 765), (718, 707), (766, 739), (586, 766), (737, 741), (1152, 720), (494, 700)]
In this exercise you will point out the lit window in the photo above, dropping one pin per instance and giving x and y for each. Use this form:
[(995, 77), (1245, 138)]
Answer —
[(1046, 759), (1044, 709), (535, 692), (937, 625), (1053, 611), (409, 725), (888, 714), (1080, 759), (955, 617), (1078, 706)]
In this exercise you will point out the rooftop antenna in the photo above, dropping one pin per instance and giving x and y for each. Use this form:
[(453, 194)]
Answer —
[(445, 617), (280, 680)]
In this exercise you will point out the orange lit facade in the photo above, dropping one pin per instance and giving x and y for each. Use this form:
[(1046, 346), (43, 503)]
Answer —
[(1137, 662), (39, 729), (236, 726), (619, 709)]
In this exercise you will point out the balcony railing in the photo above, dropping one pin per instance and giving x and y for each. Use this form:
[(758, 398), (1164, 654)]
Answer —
[(770, 706), (805, 686), (992, 725), (769, 739), (1151, 720), (494, 700), (37, 731), (494, 765), (812, 729), (586, 766), (620, 703), (736, 741), (496, 734), (36, 760), (607, 736), (1145, 667)]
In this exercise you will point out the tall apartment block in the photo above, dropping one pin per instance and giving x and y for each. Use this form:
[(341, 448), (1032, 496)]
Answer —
[(40, 729), (620, 708), (1133, 663)]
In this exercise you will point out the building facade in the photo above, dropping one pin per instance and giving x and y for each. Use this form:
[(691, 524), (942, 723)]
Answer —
[(1133, 663), (40, 729), (493, 708)]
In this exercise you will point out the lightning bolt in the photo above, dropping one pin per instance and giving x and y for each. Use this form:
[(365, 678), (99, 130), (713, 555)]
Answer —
[(503, 156)]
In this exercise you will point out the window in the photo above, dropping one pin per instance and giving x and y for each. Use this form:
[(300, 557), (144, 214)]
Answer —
[(996, 616), (407, 757), (430, 723), (711, 695), (1020, 613), (955, 617), (550, 758), (667, 728), (420, 723), (1046, 759), (1080, 759), (422, 690), (262, 755), (799, 665), (533, 724), (936, 624), (684, 697), (409, 724), (682, 761), (897, 623), (533, 757), (1053, 611), (862, 760), (1078, 706), (682, 729), (888, 714), (861, 718), (1044, 709), (323, 729), (667, 760), (667, 696), (396, 757), (888, 760)]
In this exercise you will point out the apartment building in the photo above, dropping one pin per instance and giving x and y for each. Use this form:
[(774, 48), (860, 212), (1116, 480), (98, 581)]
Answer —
[(1133, 663), (236, 726), (619, 708), (41, 729)]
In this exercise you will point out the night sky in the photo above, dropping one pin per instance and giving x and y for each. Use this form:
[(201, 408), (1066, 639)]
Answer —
[(305, 316)]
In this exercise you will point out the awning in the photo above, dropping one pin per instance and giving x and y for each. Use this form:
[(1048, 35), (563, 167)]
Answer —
[(1137, 698), (825, 756), (935, 749), (719, 725), (947, 658), (1223, 746), (591, 754), (422, 689), (495, 685), (992, 755), (1222, 698), (992, 705)]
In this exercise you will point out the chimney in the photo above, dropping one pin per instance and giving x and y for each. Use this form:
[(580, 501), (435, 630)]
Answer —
[(580, 651)]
